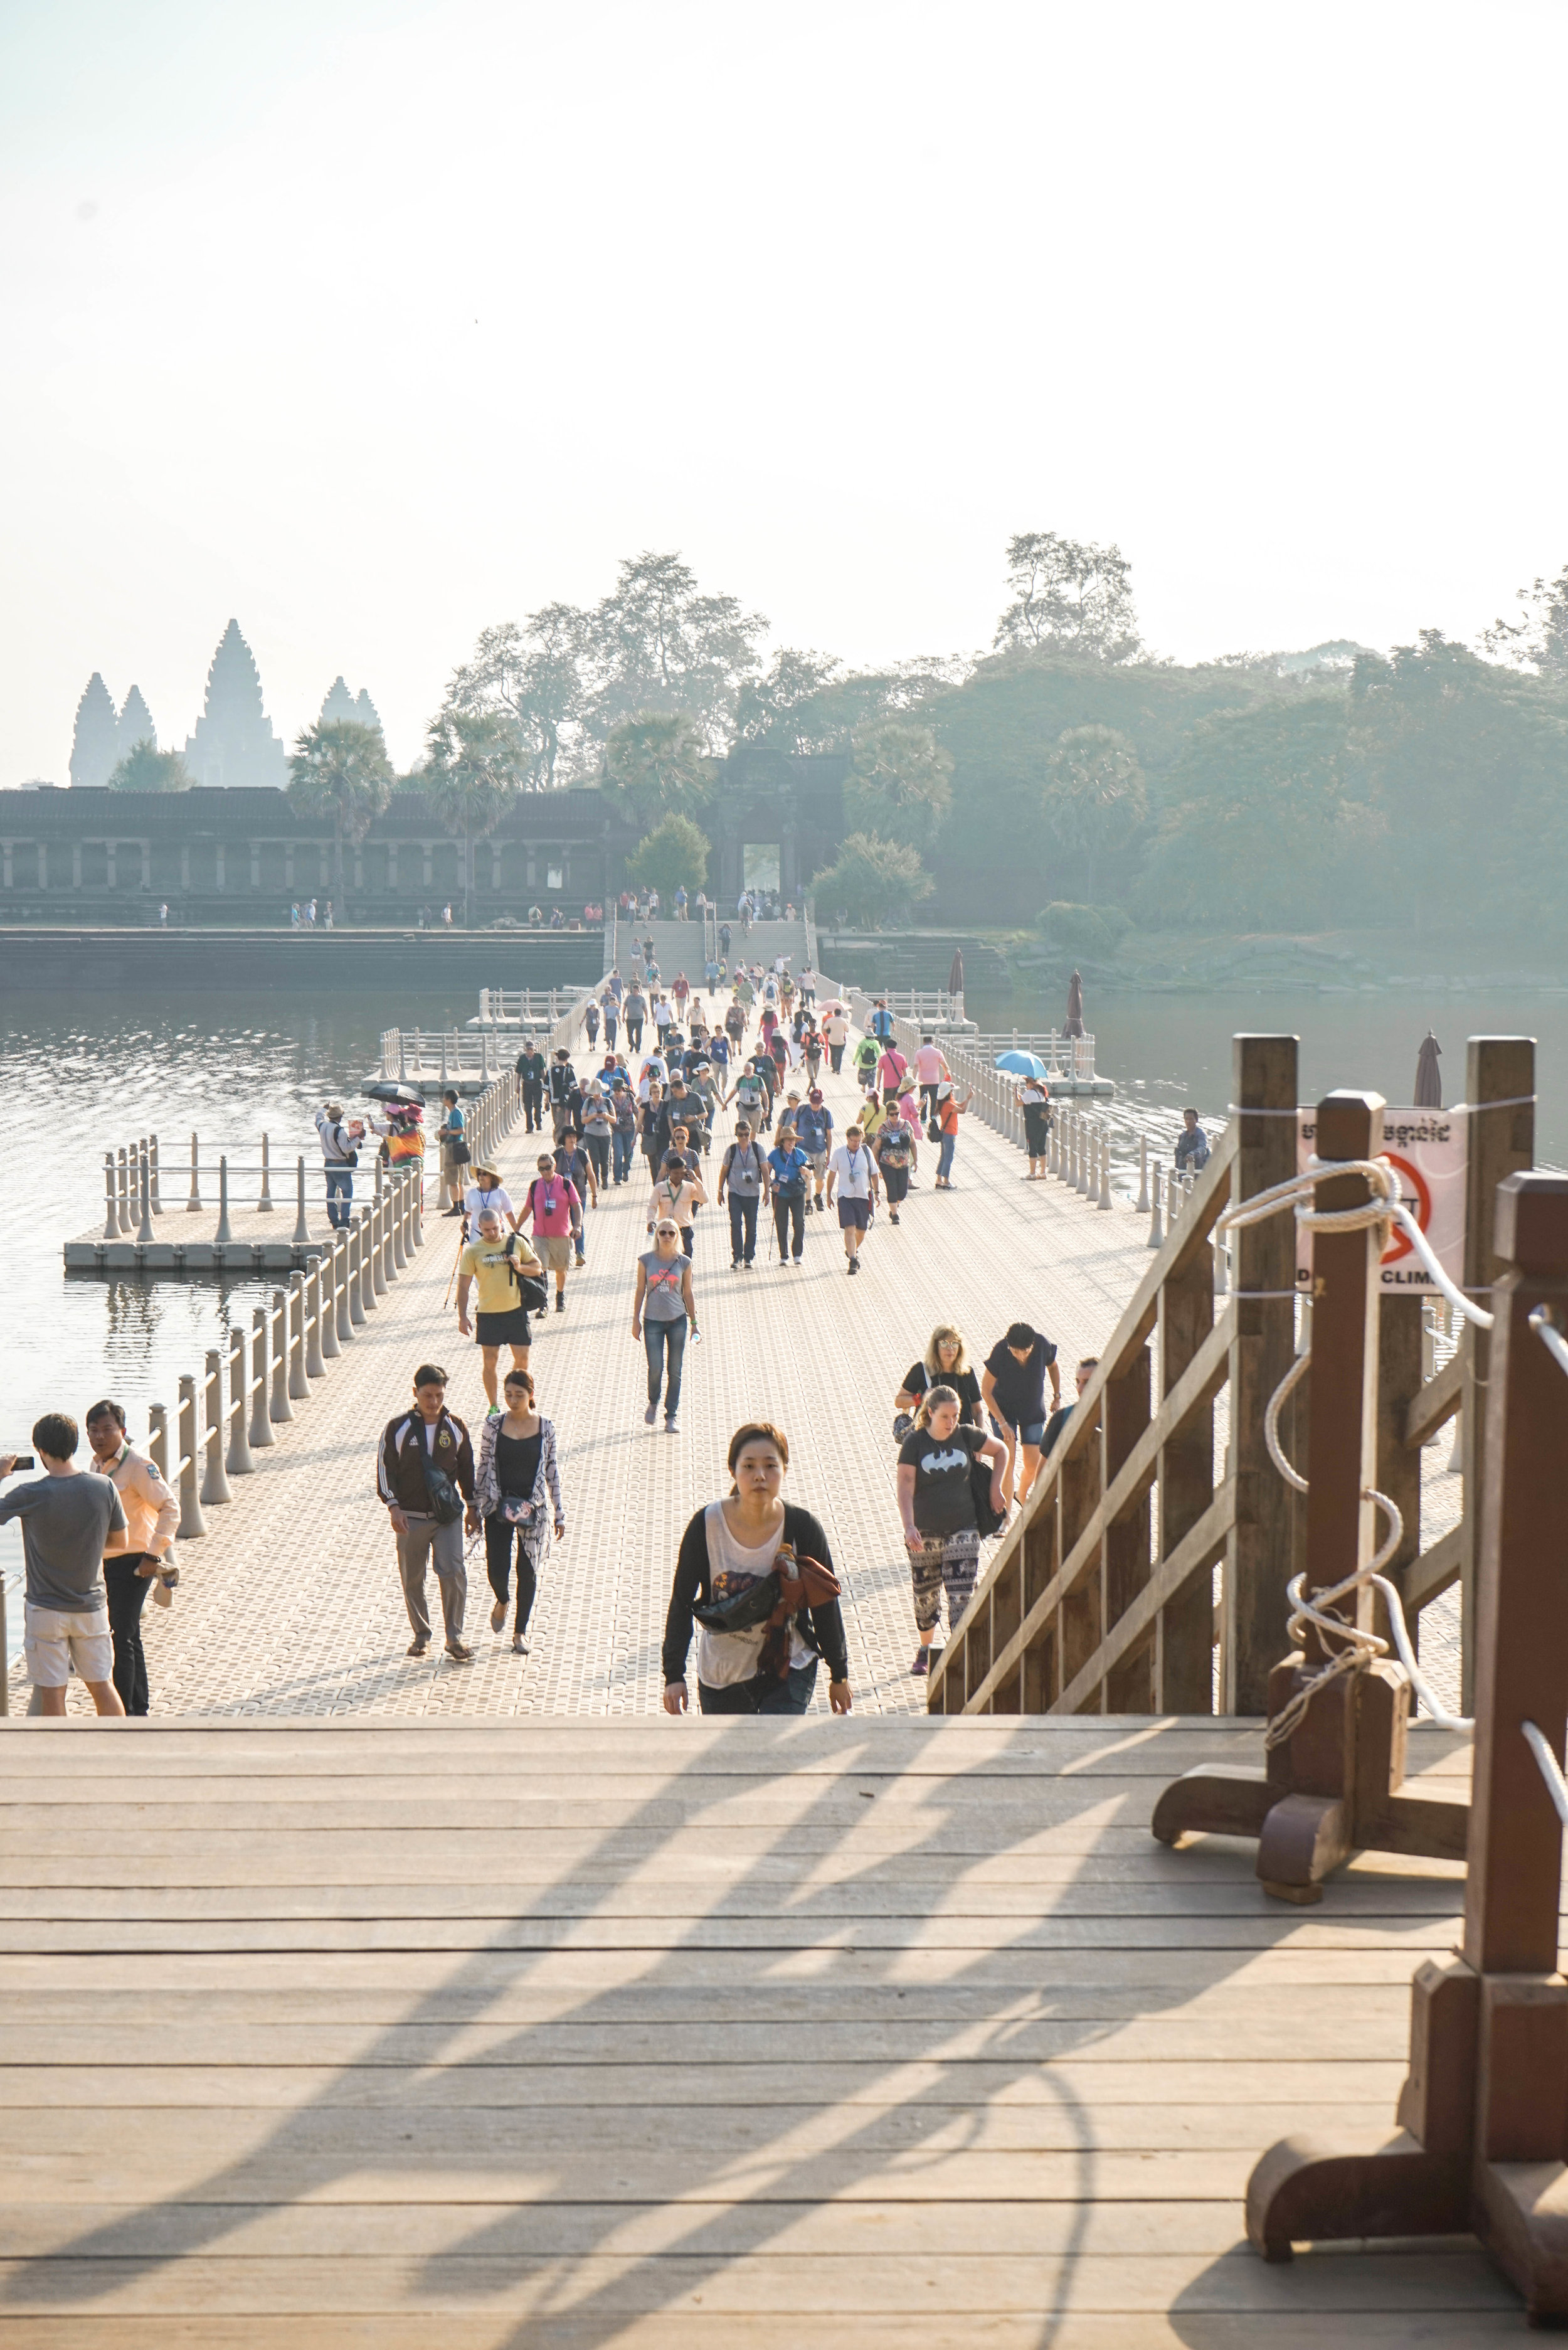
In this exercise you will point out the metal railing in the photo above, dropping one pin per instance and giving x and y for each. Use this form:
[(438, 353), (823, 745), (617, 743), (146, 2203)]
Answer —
[(529, 1007), (1065, 1056)]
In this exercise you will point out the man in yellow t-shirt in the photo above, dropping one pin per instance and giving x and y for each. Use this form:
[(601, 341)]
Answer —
[(495, 1262)]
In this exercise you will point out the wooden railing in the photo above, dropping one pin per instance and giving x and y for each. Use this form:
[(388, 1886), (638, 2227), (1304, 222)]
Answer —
[(1101, 1595)]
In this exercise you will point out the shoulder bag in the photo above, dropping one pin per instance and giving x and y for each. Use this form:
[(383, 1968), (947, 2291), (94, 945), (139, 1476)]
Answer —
[(445, 1500), (988, 1521)]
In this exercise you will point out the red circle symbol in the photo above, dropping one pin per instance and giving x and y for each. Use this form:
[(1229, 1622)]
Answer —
[(1413, 1195)]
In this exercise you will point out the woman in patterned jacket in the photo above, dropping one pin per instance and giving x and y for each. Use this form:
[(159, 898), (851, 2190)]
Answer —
[(518, 1474)]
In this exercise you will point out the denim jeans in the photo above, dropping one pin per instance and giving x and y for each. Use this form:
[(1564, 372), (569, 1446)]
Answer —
[(742, 1225), (656, 1337), (945, 1156), (790, 1207), (791, 1696), (622, 1142), (339, 1193)]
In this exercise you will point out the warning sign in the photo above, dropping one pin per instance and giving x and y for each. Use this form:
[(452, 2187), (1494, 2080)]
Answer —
[(1427, 1148)]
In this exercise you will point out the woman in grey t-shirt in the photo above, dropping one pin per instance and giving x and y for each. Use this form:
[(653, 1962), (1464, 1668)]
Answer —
[(662, 1310)]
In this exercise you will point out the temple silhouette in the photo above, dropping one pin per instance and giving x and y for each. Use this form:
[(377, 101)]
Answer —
[(234, 745)]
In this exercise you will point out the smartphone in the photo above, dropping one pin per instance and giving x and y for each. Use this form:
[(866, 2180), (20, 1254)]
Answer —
[(23, 1460)]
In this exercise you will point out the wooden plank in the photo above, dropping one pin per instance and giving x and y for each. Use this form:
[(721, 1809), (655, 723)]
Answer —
[(1435, 1403), (1183, 1652), (1398, 1470), (1197, 1551), (841, 2287), (1435, 1570), (1128, 1686)]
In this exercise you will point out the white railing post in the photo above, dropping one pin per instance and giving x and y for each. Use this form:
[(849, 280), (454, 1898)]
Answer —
[(152, 1161), (158, 1438), (261, 1380), (193, 1205), (239, 1464), (192, 1524), (366, 1227), (315, 1350), (278, 1406), (215, 1477), (1156, 1236), (331, 1345), (1143, 1174), (264, 1204), (301, 1221), (112, 1206), (122, 1191), (223, 1232), (1105, 1199), (299, 1385)]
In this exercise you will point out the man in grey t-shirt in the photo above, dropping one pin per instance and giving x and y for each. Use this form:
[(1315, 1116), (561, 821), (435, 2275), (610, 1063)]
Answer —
[(70, 1517)]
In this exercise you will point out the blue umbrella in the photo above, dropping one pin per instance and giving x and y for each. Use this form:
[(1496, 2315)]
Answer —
[(1022, 1065)]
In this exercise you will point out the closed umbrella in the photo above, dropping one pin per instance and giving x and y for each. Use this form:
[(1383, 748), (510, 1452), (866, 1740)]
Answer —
[(1428, 1077), (1074, 1024), (955, 976)]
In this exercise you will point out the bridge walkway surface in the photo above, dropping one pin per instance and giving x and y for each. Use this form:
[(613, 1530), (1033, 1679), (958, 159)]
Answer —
[(290, 1604), (378, 2035)]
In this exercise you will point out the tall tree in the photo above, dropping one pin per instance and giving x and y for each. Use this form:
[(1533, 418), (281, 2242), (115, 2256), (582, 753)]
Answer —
[(655, 765), (659, 645), (535, 676), (1538, 640), (473, 773), (899, 783), (340, 768), (1095, 797), (1069, 594), (145, 768)]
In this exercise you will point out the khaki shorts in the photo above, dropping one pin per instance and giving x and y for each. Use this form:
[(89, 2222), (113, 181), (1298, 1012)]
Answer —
[(556, 1251), (54, 1642)]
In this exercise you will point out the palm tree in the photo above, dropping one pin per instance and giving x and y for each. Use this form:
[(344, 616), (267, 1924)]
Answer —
[(340, 768), (473, 773)]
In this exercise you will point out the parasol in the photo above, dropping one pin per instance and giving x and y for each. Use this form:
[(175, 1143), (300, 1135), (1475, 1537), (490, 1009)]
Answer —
[(1428, 1080), (392, 1091), (1022, 1065), (1074, 1024)]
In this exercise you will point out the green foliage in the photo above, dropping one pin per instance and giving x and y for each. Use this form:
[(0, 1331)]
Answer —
[(1263, 826), (874, 882), (340, 768), (533, 676), (655, 765), (675, 851), (473, 771), (1083, 929), (1069, 593), (145, 768), (1095, 798), (900, 783)]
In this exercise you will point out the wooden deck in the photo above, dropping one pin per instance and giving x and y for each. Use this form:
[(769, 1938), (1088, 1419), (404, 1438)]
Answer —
[(435, 2035)]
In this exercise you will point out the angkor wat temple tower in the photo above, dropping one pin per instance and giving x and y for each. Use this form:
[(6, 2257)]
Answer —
[(234, 743)]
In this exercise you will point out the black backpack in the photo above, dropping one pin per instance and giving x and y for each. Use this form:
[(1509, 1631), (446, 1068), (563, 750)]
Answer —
[(988, 1521)]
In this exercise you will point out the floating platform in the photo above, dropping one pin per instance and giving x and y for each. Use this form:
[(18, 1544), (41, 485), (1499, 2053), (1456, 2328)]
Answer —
[(188, 1244)]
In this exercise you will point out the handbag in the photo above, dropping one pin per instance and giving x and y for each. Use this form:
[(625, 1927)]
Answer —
[(988, 1521), (446, 1502), (933, 1130)]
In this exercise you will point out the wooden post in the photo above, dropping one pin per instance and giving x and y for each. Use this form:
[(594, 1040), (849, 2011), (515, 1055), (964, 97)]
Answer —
[(1500, 1142), (1264, 1077), (1186, 1476), (1483, 2115), (1125, 1563), (1401, 1364)]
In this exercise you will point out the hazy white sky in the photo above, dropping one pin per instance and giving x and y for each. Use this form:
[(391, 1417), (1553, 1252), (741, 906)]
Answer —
[(373, 323)]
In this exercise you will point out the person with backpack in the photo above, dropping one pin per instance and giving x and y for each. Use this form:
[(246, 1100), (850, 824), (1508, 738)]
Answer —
[(676, 1197), (1034, 1101), (341, 1151), (896, 1156), (565, 1094), (837, 1036), (498, 1263), (814, 1132), (517, 1494), (943, 1511), (852, 1172), (743, 1171), (653, 1129), (533, 1070), (663, 1311), (598, 1126), (754, 1574), (891, 1071), (623, 1136), (949, 1112), (557, 1209), (945, 1363), (454, 1142), (573, 1161), (789, 1167), (867, 1053), (749, 1095), (591, 1021), (424, 1475)]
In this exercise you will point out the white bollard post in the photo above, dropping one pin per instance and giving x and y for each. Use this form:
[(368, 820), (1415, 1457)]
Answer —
[(315, 1350), (122, 1191), (1156, 1235), (327, 1287), (1105, 1199), (278, 1405), (264, 1205), (215, 1477), (193, 1205), (111, 1206), (152, 1158), (223, 1232), (1457, 1457), (240, 1463), (301, 1221), (1143, 1175), (298, 1384), (193, 1525), (355, 1239), (261, 1377)]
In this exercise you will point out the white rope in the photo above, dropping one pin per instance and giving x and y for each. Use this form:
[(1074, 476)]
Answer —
[(1347, 1646), (1550, 1769), (1543, 1323)]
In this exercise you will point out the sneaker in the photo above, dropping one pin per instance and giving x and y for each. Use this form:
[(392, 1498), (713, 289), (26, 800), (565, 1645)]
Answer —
[(672, 1425), (498, 1616), (819, 1205), (560, 1301), (734, 1264), (650, 1415), (855, 1265), (923, 1663), (892, 1215)]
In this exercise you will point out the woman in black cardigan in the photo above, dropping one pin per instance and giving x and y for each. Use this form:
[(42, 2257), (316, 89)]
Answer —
[(727, 1547)]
